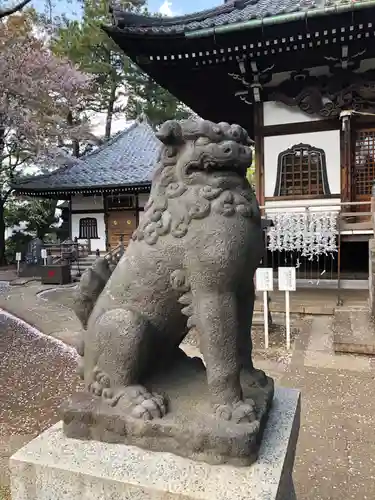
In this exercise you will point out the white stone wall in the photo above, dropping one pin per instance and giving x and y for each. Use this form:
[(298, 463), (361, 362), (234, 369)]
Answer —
[(329, 141)]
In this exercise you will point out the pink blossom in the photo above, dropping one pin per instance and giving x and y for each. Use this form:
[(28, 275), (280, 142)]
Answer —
[(37, 90)]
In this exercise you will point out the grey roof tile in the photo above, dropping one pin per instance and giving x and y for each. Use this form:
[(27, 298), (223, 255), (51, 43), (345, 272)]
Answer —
[(228, 13), (128, 158)]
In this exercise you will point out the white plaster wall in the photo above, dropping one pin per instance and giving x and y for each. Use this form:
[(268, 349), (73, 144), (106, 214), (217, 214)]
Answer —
[(142, 199), (95, 244), (88, 203), (329, 141), (276, 113)]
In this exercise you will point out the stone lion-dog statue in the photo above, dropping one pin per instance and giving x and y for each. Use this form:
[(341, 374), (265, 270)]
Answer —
[(190, 264)]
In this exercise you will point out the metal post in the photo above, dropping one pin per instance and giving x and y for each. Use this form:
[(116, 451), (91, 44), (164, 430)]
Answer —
[(122, 248), (265, 314), (287, 318)]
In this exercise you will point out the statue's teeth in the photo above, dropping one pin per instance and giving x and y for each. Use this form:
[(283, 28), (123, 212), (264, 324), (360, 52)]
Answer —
[(188, 310), (185, 299)]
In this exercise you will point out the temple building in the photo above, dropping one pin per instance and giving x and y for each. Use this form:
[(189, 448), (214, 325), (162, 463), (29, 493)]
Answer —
[(299, 75), (105, 190)]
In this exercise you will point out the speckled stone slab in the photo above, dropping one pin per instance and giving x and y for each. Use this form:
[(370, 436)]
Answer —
[(54, 467), (189, 429)]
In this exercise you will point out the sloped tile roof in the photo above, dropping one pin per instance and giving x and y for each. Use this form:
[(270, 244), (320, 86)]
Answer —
[(231, 12), (128, 158)]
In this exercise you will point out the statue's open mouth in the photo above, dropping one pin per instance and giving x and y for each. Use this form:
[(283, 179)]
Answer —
[(216, 170), (216, 167)]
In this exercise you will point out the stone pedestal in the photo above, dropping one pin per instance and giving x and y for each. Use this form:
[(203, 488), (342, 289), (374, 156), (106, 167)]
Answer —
[(54, 467)]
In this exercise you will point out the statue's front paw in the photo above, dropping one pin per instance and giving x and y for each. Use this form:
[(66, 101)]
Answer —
[(150, 406), (241, 412)]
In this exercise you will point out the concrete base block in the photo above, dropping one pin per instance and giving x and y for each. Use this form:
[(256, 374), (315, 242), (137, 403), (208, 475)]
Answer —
[(54, 467)]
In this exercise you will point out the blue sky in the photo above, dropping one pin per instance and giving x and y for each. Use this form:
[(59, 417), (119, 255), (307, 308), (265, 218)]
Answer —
[(166, 7)]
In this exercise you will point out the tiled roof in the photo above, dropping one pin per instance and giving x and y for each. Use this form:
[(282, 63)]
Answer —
[(234, 11), (128, 158)]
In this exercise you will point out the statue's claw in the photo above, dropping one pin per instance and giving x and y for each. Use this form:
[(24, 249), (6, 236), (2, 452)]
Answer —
[(241, 412), (154, 406), (138, 401)]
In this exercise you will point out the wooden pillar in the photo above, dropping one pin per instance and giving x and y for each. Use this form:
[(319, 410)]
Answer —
[(373, 208), (371, 280), (137, 209), (347, 189), (105, 207), (259, 151)]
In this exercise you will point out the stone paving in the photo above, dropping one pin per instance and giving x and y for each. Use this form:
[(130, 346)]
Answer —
[(336, 450)]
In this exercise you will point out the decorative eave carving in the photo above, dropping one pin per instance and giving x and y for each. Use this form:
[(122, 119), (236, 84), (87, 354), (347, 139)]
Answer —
[(252, 80), (329, 95)]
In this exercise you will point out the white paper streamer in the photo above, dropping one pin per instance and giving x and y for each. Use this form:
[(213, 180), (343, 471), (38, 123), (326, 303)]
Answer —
[(309, 233)]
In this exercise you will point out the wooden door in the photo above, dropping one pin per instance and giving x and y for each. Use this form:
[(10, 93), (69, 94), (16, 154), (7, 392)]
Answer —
[(121, 223)]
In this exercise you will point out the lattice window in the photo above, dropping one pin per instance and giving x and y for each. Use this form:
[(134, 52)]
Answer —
[(302, 171), (88, 228), (364, 161)]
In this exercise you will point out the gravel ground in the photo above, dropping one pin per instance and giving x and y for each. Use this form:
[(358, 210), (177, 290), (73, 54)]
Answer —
[(37, 373)]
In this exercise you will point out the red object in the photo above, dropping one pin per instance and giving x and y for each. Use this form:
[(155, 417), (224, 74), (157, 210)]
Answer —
[(51, 274)]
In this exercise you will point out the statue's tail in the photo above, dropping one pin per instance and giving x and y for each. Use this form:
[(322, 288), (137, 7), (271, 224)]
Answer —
[(92, 283)]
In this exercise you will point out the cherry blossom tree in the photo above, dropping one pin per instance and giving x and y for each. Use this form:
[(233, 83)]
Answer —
[(39, 96)]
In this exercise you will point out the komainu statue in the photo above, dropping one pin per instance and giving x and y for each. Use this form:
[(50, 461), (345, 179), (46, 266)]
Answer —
[(190, 264)]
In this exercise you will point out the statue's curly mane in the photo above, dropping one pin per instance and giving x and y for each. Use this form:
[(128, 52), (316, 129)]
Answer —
[(183, 188)]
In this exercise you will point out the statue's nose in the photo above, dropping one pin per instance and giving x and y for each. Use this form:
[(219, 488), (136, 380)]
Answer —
[(227, 148)]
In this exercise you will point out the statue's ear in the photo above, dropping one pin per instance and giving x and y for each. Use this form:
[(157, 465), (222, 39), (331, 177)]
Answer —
[(170, 133)]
